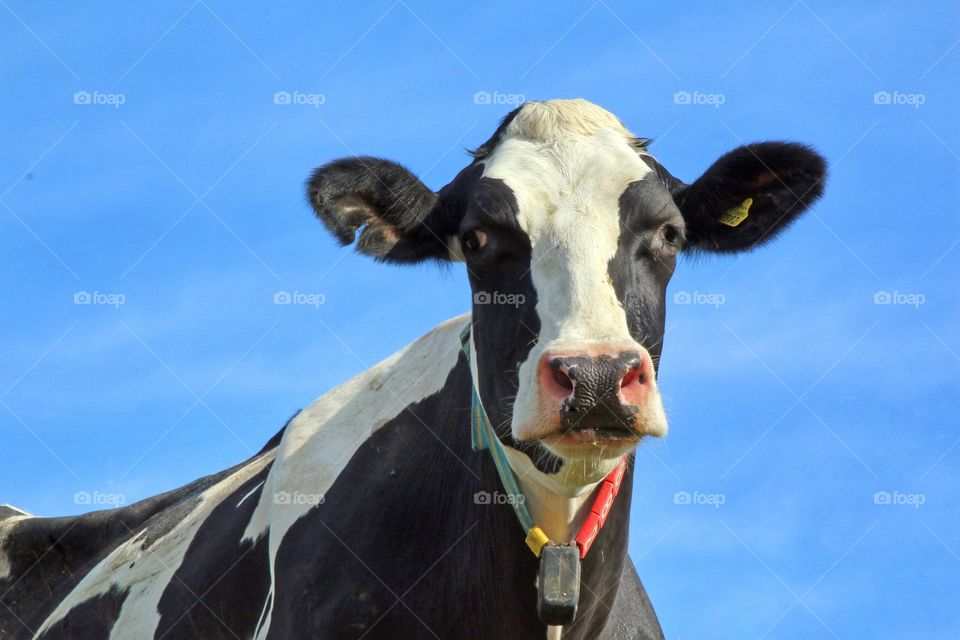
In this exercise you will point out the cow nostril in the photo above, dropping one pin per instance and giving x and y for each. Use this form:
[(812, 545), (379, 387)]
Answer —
[(633, 376), (562, 379)]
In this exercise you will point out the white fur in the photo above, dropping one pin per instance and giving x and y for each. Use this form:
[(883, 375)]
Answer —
[(6, 526), (320, 441), (152, 569), (17, 509), (249, 493)]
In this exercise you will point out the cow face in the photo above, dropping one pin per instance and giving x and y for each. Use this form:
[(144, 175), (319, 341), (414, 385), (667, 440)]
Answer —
[(570, 232)]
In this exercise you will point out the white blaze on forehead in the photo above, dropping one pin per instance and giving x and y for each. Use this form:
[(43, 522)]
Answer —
[(568, 163)]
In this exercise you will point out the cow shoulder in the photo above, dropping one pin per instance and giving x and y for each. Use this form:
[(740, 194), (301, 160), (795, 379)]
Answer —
[(632, 616)]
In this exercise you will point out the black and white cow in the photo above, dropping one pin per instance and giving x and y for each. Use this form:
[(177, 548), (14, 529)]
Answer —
[(360, 518)]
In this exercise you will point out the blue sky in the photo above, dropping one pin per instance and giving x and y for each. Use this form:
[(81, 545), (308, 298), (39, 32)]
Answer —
[(172, 188)]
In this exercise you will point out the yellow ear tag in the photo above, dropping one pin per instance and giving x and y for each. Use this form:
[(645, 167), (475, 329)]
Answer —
[(736, 215)]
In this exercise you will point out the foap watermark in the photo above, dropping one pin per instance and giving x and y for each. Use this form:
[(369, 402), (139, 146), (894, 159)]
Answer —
[(896, 498), (497, 98), (899, 98), (299, 98), (714, 500), (298, 499), (99, 298), (899, 298), (496, 297), (698, 98), (497, 497), (698, 297), (114, 100), (99, 499), (299, 297)]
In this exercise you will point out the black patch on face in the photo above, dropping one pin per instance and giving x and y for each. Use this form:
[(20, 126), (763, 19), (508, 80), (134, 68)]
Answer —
[(505, 321), (672, 184), (651, 234)]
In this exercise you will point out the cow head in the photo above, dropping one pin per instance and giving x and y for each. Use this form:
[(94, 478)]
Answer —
[(570, 231)]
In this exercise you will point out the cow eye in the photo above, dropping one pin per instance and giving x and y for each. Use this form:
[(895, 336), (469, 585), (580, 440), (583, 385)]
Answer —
[(473, 240), (671, 235)]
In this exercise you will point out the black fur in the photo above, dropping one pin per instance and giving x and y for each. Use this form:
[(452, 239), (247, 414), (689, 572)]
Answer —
[(385, 201), (218, 588), (485, 149), (782, 178), (92, 619), (49, 556)]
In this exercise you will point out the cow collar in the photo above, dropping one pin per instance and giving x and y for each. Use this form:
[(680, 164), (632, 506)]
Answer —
[(559, 579)]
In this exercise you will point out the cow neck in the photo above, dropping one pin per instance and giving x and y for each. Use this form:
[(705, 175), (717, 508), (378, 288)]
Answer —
[(556, 508)]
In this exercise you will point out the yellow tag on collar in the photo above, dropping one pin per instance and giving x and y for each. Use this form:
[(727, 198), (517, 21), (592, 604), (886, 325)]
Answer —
[(536, 538), (733, 217)]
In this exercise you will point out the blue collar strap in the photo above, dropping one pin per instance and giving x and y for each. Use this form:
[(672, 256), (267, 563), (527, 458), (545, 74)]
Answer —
[(484, 437)]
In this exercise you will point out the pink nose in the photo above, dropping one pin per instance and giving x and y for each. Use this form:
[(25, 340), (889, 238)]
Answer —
[(609, 387)]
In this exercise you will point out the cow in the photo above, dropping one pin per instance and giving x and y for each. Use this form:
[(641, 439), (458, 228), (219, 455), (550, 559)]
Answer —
[(374, 513)]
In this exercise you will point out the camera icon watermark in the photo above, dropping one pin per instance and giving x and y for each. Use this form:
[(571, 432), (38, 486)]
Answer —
[(115, 100), (897, 98), (99, 298), (699, 298), (296, 498), (515, 300), (715, 500), (497, 497), (896, 498), (899, 298), (299, 298), (698, 98), (99, 499), (497, 98), (299, 98)]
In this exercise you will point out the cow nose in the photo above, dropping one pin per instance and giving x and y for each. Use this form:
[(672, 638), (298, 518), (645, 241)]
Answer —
[(596, 391)]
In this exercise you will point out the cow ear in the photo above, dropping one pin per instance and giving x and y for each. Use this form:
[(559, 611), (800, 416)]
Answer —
[(750, 195), (389, 205)]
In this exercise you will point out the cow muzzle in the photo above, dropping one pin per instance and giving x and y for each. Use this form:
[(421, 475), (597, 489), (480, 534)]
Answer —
[(598, 396)]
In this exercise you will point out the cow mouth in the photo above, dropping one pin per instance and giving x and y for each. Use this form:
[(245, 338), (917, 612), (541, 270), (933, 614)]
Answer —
[(596, 435)]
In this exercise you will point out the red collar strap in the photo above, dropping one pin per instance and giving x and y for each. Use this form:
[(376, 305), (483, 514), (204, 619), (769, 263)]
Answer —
[(602, 504)]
